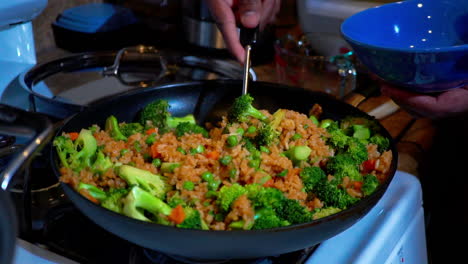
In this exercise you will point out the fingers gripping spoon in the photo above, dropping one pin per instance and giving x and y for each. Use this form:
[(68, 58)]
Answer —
[(248, 37)]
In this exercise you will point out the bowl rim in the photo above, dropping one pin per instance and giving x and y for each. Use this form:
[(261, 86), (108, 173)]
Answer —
[(346, 36)]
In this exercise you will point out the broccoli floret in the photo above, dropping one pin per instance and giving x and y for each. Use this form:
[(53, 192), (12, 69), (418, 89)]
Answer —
[(228, 194), (154, 184), (338, 137), (190, 128), (326, 211), (293, 212), (92, 190), (267, 218), (129, 129), (382, 142), (85, 146), (357, 150), (173, 122), (113, 201), (329, 193), (369, 184), (176, 200), (266, 135), (264, 197), (311, 176), (192, 220), (112, 127), (65, 149), (138, 201), (101, 164), (155, 114), (242, 109), (343, 165)]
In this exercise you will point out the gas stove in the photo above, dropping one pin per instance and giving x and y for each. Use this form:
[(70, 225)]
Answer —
[(56, 232), (52, 230)]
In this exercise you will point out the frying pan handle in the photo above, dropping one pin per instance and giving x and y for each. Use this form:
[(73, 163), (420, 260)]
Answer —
[(140, 51), (16, 122)]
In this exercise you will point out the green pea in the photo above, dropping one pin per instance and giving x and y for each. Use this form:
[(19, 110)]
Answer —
[(219, 217), (225, 160), (255, 163), (211, 194), (146, 156), (123, 152), (306, 126), (156, 163), (256, 154), (296, 136), (150, 139), (283, 173), (251, 129), (188, 185), (265, 149), (314, 119), (213, 185), (240, 131), (181, 150), (207, 176), (232, 141), (232, 173)]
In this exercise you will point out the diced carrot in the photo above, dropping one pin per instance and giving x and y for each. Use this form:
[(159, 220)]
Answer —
[(357, 185), (154, 151), (151, 131), (269, 183), (73, 135), (177, 215), (214, 155), (86, 194)]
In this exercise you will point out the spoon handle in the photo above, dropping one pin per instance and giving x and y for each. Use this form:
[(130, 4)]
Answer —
[(248, 37), (245, 82)]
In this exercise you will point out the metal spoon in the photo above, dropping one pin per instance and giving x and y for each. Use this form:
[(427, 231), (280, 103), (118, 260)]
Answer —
[(248, 36)]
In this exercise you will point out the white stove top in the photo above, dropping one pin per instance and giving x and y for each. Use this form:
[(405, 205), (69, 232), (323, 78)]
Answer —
[(392, 232)]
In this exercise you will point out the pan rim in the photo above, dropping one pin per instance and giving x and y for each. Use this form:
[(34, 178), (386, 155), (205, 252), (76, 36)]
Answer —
[(376, 195)]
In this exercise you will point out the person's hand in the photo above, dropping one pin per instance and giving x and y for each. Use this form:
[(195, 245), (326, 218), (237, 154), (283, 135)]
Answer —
[(250, 13), (450, 103)]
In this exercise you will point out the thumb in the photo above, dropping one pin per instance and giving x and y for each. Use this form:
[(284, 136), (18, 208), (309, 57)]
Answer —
[(249, 12)]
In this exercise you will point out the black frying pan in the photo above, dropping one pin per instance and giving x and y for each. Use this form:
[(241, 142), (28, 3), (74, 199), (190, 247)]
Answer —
[(208, 101)]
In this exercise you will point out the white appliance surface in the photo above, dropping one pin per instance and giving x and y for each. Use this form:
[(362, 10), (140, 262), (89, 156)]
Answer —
[(392, 232)]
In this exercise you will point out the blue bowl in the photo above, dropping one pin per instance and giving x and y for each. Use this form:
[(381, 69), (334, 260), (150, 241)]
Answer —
[(418, 44)]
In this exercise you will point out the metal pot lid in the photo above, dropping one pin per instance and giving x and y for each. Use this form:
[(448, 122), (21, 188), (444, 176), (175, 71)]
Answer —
[(77, 81)]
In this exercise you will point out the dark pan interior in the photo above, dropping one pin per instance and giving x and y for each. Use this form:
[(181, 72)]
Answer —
[(209, 100)]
